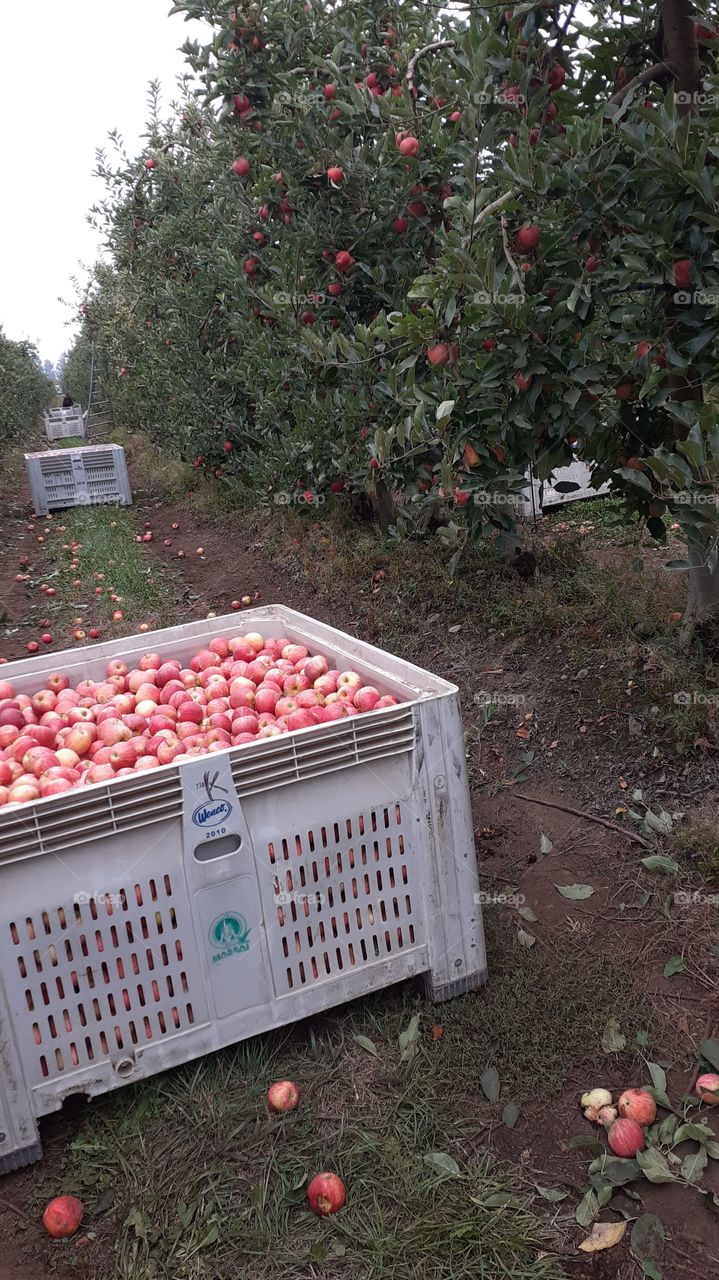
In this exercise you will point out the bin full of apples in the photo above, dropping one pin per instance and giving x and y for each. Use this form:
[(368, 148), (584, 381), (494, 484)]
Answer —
[(237, 691)]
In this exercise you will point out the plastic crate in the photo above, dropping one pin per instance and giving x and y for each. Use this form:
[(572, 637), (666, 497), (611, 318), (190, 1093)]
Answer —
[(64, 424), (149, 920), (537, 497), (78, 477)]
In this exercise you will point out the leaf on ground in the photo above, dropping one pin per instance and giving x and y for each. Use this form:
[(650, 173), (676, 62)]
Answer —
[(496, 1200), (604, 1235), (369, 1046), (659, 1076), (527, 914), (437, 1032), (489, 1081), (654, 1166), (587, 1209), (551, 1193), (522, 733), (545, 844), (443, 1163), (575, 891), (659, 862), (709, 1050), (615, 1170), (612, 1039), (510, 1115), (693, 1165), (408, 1040), (526, 939), (647, 1238), (675, 965)]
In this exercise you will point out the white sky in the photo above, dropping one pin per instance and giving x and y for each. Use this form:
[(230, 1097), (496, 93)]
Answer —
[(72, 71)]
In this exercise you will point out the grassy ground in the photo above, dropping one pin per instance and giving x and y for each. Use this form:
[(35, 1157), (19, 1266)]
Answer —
[(188, 1176)]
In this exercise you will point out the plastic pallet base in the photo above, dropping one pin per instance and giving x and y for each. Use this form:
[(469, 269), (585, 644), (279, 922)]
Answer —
[(19, 1159), (439, 993)]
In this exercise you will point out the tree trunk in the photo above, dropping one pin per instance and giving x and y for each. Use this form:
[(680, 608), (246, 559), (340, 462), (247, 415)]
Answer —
[(703, 593), (385, 506)]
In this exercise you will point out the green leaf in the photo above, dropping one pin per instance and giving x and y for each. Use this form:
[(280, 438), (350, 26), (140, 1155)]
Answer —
[(551, 1194), (647, 1239), (615, 1170), (659, 1076), (612, 1039), (654, 1166), (408, 1040), (444, 410), (587, 1209), (545, 844), (489, 1082), (526, 939), (709, 1050), (575, 891), (443, 1163), (675, 965), (368, 1045), (510, 1115), (651, 1270), (694, 1164), (527, 914), (659, 862)]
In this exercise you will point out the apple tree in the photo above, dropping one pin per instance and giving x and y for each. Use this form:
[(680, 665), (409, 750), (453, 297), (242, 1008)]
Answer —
[(423, 250), (26, 391)]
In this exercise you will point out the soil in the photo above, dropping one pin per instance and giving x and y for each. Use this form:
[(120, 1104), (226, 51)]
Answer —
[(509, 828)]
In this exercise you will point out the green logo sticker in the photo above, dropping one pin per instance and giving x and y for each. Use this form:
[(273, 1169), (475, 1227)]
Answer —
[(230, 933)]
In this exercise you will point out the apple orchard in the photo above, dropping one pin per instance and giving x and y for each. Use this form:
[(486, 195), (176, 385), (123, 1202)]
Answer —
[(399, 250)]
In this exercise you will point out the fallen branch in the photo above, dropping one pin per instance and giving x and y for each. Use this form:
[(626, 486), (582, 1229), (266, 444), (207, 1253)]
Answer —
[(590, 817)]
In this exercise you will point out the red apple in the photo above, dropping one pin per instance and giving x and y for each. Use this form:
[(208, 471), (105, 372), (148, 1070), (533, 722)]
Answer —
[(637, 1104), (344, 260), (283, 1096), (438, 354), (326, 1194), (241, 166), (707, 1088), (409, 147), (625, 1138), (528, 236), (63, 1216)]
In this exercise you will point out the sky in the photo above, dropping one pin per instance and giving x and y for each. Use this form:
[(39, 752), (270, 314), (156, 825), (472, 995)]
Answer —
[(71, 73)]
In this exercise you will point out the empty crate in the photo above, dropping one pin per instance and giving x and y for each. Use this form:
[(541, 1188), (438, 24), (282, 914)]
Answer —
[(64, 424), (78, 477), (149, 920)]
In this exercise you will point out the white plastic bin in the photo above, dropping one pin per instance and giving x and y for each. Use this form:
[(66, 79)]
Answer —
[(149, 920), (65, 424), (538, 497), (78, 477)]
